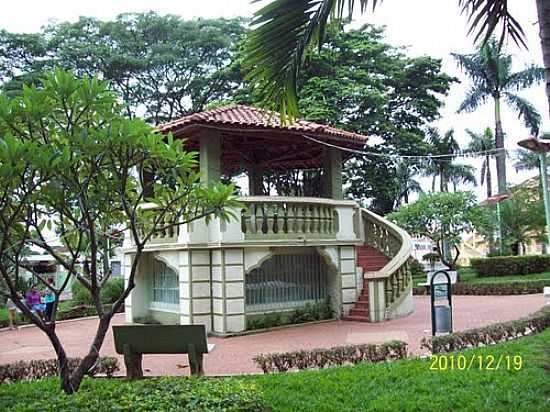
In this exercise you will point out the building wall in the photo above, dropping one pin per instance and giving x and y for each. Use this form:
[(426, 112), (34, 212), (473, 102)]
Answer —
[(212, 284)]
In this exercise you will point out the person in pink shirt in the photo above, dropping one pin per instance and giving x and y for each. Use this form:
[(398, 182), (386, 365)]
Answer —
[(33, 298)]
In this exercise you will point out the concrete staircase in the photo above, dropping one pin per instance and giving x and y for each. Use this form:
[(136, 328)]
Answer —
[(370, 260)]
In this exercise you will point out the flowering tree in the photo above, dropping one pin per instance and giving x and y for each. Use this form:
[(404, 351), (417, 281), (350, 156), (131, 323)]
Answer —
[(68, 158), (442, 217)]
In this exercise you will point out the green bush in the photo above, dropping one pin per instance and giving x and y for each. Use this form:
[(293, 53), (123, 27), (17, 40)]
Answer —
[(416, 268), (112, 290), (45, 368), (505, 288), (109, 293), (336, 356), (489, 335), (511, 265), (172, 394), (310, 312), (81, 295)]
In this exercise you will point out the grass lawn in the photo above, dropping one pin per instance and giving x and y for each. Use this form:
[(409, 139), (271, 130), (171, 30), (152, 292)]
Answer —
[(410, 385), (407, 385), (468, 275)]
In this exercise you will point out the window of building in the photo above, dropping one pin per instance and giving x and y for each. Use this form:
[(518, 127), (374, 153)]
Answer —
[(165, 287), (285, 282)]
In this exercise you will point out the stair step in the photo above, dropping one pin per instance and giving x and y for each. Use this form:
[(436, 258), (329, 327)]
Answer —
[(359, 312), (361, 305), (363, 299), (356, 318)]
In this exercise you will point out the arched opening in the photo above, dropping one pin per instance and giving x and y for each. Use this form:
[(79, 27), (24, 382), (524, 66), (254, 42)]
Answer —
[(287, 281)]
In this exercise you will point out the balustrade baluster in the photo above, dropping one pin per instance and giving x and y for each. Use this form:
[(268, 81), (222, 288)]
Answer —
[(315, 227), (305, 211), (290, 218), (259, 217), (270, 213)]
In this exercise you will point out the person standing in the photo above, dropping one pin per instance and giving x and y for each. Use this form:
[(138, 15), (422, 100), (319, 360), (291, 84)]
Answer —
[(12, 314), (49, 299), (34, 302)]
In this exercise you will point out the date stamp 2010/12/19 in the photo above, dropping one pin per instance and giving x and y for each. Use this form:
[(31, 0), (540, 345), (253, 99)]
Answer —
[(476, 361)]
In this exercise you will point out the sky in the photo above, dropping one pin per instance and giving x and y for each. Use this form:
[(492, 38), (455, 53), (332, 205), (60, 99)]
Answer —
[(426, 27)]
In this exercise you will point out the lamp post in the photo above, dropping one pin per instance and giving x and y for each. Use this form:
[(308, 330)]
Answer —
[(541, 147), (496, 200)]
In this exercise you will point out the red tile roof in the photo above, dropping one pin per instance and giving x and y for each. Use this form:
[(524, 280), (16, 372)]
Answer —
[(240, 116)]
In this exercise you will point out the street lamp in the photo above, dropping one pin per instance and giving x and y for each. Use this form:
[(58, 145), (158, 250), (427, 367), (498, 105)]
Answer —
[(496, 199), (541, 147)]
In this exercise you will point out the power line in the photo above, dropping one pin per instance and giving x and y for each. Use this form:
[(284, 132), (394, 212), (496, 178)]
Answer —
[(418, 157)]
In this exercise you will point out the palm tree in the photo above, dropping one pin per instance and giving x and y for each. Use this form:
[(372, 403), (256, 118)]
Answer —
[(406, 184), (283, 30), (443, 168), (526, 160), (491, 72), (483, 143)]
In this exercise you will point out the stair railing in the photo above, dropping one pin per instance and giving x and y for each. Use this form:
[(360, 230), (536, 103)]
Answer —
[(394, 243)]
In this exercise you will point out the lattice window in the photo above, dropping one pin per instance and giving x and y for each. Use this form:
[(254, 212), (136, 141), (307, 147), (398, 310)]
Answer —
[(164, 287), (285, 282)]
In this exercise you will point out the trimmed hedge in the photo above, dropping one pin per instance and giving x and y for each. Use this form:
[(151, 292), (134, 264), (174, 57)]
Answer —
[(488, 335), (147, 395), (505, 288), (38, 369), (336, 356), (511, 265)]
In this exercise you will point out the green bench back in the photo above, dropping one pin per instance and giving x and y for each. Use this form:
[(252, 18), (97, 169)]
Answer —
[(160, 338)]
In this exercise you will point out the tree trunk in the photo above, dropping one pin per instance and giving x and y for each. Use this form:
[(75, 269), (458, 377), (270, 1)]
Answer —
[(543, 9), (93, 354), (488, 177), (62, 362), (501, 155)]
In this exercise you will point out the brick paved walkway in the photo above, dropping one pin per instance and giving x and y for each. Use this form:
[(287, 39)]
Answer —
[(234, 355)]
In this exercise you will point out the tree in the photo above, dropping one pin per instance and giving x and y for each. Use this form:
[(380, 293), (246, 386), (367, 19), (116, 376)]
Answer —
[(284, 29), (491, 72), (483, 143), (526, 160), (441, 167), (162, 66), (522, 218), (442, 217), (359, 82), (68, 158)]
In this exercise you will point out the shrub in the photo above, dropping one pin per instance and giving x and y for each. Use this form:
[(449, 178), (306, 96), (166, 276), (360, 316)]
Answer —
[(488, 335), (81, 295), (511, 265), (308, 313), (416, 268), (504, 288), (148, 395), (336, 356), (109, 292), (112, 290), (38, 369)]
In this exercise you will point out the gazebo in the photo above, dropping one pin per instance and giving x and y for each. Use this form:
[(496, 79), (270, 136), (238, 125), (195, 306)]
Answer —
[(296, 241)]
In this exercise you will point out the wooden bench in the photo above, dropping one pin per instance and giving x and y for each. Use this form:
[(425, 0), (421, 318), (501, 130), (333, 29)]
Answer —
[(133, 341)]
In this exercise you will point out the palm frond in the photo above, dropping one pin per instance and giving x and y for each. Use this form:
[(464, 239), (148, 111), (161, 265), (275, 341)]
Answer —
[(485, 15), (472, 64), (525, 78), (282, 31), (526, 160), (475, 97), (526, 111)]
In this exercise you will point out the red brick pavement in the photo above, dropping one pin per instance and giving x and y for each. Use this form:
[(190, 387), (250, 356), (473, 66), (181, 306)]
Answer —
[(234, 355)]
